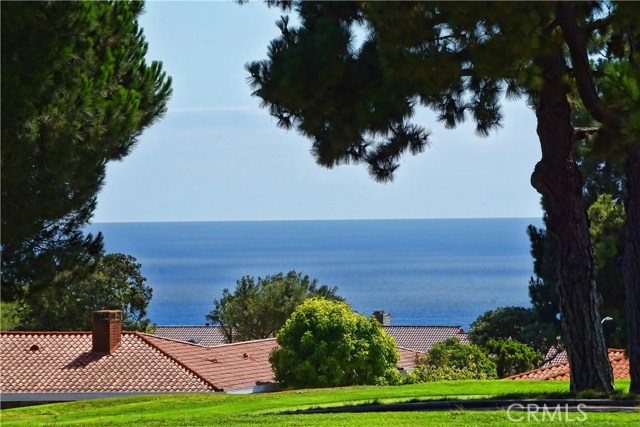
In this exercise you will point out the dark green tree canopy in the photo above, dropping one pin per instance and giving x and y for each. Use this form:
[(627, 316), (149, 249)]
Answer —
[(325, 344), (77, 93), (356, 101), (514, 323), (512, 357), (115, 283), (258, 309)]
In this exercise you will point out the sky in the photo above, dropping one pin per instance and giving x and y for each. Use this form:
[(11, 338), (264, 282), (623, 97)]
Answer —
[(217, 156)]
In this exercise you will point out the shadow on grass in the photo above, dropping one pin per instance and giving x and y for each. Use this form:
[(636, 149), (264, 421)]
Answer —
[(615, 401)]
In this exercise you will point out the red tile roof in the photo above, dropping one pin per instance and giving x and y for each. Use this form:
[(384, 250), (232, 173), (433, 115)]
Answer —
[(619, 364), (239, 365), (229, 366), (62, 362), (422, 338), (207, 336), (417, 338), (555, 357)]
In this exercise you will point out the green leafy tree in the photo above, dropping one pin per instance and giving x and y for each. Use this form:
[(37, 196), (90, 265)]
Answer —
[(451, 360), (325, 344), (77, 93), (513, 323), (607, 216), (258, 309), (355, 101), (512, 357), (115, 283), (9, 315)]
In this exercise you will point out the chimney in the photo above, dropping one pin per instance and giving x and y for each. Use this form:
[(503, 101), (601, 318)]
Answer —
[(383, 318), (107, 330)]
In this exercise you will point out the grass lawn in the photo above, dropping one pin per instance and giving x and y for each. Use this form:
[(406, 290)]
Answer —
[(261, 409)]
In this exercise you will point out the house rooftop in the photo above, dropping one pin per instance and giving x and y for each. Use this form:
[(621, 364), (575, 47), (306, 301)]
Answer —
[(207, 336), (416, 338), (555, 356), (64, 362), (423, 338), (57, 366), (560, 371), (230, 367)]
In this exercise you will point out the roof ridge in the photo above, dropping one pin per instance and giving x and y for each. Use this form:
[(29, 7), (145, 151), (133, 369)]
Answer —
[(207, 346), (241, 342), (522, 374), (386, 326), (424, 326), (45, 332), (410, 349), (172, 339), (56, 332), (142, 336), (188, 326)]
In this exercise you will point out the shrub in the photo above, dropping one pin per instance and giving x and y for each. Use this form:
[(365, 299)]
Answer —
[(512, 357), (325, 344), (450, 360)]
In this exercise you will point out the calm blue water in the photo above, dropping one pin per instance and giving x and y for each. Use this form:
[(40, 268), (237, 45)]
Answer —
[(424, 272)]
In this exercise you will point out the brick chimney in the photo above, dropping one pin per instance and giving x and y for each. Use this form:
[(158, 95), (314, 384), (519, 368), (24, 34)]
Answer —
[(383, 318), (107, 330)]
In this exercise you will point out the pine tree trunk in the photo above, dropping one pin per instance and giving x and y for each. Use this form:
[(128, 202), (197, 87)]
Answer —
[(631, 264), (557, 178)]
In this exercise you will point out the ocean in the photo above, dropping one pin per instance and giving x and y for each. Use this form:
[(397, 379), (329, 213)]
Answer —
[(423, 271)]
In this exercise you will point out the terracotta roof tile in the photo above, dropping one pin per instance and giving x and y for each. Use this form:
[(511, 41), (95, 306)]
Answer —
[(560, 371), (207, 336), (418, 338), (422, 338), (239, 365), (555, 357), (228, 367), (62, 362)]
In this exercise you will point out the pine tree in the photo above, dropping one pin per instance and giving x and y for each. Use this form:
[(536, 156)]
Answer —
[(355, 102), (77, 92)]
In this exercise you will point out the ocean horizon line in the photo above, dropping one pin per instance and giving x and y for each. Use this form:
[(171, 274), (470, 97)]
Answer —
[(314, 220)]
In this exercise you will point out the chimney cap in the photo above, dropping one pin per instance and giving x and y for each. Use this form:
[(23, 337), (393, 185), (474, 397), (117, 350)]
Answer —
[(107, 315)]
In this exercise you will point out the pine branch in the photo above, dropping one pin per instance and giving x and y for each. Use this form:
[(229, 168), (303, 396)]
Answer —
[(583, 73)]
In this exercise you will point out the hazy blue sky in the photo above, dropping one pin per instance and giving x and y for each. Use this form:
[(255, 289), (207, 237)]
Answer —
[(217, 156)]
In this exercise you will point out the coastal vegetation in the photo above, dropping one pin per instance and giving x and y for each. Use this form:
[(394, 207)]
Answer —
[(114, 283), (258, 309), (325, 344), (519, 324), (267, 409), (450, 360)]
